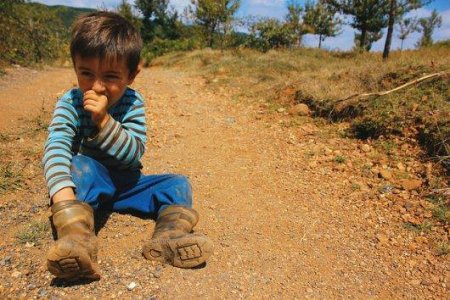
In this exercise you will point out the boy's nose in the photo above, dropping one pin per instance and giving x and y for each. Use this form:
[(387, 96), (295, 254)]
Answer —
[(98, 86)]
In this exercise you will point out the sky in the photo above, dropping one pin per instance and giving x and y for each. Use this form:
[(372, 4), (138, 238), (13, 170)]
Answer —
[(277, 9)]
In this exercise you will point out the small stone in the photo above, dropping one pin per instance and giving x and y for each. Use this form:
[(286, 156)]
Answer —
[(16, 274), (281, 110), (5, 261), (415, 282), (386, 174), (300, 110), (42, 293), (366, 148), (410, 184), (382, 239), (401, 166), (131, 286)]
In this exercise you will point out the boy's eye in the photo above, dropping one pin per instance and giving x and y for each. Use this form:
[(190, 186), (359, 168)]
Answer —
[(87, 74), (112, 77)]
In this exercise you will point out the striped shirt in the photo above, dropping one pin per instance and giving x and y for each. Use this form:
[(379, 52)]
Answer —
[(119, 145)]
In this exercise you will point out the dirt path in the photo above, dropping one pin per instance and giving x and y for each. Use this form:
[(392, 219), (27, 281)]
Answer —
[(290, 218)]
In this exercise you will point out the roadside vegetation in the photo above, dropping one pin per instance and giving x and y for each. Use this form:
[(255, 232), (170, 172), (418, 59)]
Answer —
[(282, 80)]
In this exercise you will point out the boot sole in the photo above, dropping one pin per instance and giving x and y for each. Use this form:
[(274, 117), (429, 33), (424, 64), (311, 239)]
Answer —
[(65, 261), (184, 252)]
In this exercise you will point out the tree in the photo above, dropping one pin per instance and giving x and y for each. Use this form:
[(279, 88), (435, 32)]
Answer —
[(269, 33), (213, 15), (126, 11), (31, 33), (427, 27), (397, 8), (406, 26), (294, 20), (370, 38), (158, 21), (369, 17), (321, 20)]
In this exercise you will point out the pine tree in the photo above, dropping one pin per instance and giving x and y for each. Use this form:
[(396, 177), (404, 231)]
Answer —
[(427, 27), (294, 21), (321, 19), (398, 8), (126, 11), (211, 15), (406, 26), (158, 21), (369, 17)]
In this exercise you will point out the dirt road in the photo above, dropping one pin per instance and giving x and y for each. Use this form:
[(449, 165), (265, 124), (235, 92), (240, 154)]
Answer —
[(293, 210)]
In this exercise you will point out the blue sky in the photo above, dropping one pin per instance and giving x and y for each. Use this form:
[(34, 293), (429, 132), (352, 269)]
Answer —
[(277, 9)]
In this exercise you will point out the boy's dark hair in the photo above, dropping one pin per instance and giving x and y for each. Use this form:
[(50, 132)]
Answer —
[(106, 35)]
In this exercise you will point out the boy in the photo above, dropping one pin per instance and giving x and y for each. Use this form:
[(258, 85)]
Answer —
[(92, 157)]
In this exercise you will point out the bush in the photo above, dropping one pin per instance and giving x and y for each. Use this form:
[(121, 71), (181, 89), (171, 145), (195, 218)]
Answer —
[(160, 47), (30, 33)]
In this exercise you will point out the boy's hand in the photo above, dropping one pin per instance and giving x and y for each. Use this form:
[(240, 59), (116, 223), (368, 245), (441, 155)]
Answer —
[(97, 105)]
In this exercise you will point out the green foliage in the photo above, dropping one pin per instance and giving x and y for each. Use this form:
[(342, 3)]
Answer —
[(10, 177), (269, 33), (34, 233), (126, 11), (427, 27), (294, 20), (369, 18), (213, 17), (321, 19), (158, 21), (30, 33), (160, 47), (406, 26), (68, 14)]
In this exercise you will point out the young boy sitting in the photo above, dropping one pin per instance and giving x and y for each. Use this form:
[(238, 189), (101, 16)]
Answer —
[(92, 157)]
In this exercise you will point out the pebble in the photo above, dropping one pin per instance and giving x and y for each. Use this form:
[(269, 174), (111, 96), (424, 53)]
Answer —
[(42, 293), (5, 261), (366, 148), (131, 286)]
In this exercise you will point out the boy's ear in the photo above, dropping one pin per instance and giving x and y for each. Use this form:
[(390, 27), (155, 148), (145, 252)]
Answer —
[(133, 75)]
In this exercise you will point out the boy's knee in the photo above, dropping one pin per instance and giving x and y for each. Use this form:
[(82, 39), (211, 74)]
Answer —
[(182, 181), (82, 166)]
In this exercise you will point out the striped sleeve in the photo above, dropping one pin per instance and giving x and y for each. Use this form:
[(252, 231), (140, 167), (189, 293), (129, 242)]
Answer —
[(125, 141), (58, 148)]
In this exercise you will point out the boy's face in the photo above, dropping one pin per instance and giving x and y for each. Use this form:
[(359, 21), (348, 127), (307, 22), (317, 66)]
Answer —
[(108, 78)]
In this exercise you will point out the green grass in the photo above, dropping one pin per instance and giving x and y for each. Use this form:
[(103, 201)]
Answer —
[(10, 178), (442, 248), (340, 159), (423, 227), (33, 233)]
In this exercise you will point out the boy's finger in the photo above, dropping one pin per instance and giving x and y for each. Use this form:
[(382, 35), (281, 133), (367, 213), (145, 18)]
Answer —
[(90, 102)]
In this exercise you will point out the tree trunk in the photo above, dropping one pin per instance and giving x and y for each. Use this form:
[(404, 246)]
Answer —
[(387, 44), (362, 42), (320, 41), (401, 45)]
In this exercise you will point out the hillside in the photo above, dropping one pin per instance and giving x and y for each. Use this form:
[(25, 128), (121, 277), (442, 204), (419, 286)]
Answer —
[(66, 13), (297, 206)]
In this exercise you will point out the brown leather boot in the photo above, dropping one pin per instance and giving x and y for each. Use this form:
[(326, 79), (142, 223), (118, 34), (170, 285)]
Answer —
[(74, 255), (172, 241)]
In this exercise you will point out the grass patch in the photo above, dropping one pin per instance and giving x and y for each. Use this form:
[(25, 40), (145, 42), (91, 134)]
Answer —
[(442, 248), (441, 209), (340, 159), (423, 227), (33, 233), (10, 178)]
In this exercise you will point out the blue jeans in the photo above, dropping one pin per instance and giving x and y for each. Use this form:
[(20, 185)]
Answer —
[(127, 190)]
